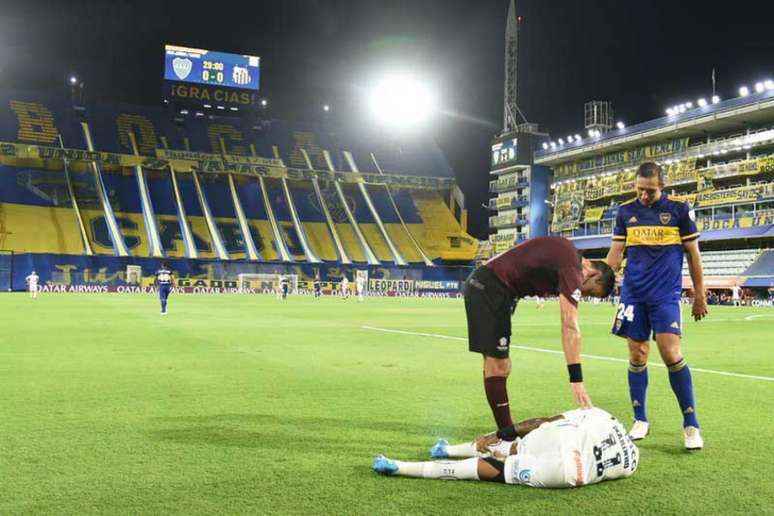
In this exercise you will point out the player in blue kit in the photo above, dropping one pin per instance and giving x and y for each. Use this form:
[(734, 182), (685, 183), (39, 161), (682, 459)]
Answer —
[(657, 232), (317, 286), (164, 282)]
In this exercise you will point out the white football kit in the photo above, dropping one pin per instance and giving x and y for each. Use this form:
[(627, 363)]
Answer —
[(32, 282), (360, 287), (345, 287), (586, 447)]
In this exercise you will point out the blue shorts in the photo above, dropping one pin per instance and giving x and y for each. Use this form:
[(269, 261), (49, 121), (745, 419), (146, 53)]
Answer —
[(640, 321), (164, 291)]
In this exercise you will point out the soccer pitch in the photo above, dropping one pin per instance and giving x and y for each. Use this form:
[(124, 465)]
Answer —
[(245, 404)]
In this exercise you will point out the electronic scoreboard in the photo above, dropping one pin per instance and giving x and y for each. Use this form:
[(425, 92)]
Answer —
[(193, 65)]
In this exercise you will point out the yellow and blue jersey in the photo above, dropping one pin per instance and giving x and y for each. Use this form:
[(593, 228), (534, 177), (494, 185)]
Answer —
[(654, 237)]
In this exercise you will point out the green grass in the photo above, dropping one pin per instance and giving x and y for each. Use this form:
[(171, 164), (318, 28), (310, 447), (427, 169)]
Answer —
[(242, 404)]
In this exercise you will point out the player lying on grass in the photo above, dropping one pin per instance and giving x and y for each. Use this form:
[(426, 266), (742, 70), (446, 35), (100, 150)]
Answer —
[(573, 449)]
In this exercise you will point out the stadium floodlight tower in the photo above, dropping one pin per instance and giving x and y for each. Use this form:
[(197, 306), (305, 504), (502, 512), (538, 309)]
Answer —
[(598, 116), (518, 187)]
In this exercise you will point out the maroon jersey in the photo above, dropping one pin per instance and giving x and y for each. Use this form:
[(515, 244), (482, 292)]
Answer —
[(542, 266)]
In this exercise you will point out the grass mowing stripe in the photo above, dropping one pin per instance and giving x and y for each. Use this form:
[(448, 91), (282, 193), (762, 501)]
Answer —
[(553, 351)]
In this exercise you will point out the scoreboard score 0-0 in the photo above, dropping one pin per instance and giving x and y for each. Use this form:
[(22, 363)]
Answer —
[(193, 65)]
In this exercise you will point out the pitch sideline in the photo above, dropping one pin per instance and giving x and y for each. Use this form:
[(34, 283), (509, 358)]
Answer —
[(555, 352)]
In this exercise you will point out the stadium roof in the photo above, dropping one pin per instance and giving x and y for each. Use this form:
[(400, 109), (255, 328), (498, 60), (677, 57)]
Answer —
[(727, 115)]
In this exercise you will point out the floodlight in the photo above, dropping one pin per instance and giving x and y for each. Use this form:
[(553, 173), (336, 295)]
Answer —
[(545, 145), (744, 91), (768, 84), (401, 101), (702, 102), (620, 125), (560, 141), (715, 99)]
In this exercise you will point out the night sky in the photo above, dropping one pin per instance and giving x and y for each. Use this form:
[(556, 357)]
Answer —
[(641, 55)]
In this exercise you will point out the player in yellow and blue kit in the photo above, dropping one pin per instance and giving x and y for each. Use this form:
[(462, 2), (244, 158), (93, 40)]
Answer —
[(164, 282), (656, 232)]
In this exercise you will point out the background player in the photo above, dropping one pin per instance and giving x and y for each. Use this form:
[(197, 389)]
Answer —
[(284, 286), (32, 284), (317, 286), (577, 448), (656, 231), (360, 288), (538, 267), (164, 282), (344, 287)]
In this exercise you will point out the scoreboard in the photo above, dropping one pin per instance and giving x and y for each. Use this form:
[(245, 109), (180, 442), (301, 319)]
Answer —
[(207, 67)]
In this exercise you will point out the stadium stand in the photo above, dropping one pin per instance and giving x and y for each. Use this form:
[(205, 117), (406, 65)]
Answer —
[(115, 184), (725, 174)]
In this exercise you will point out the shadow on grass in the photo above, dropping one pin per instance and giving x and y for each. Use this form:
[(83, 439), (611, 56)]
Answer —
[(270, 431)]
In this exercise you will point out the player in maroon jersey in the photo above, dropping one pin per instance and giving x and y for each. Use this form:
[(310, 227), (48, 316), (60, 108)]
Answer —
[(543, 266)]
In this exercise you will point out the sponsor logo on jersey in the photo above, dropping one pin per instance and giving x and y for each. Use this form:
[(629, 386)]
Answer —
[(503, 344), (674, 325), (635, 403), (633, 220), (618, 324), (689, 410), (692, 215), (665, 217), (576, 295)]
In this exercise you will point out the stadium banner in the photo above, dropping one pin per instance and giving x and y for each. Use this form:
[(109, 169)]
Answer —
[(762, 219), (593, 214), (64, 270), (567, 211), (624, 157), (16, 154), (735, 195)]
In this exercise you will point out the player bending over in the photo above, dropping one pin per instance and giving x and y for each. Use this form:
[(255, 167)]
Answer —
[(32, 284), (164, 282), (576, 448), (544, 266)]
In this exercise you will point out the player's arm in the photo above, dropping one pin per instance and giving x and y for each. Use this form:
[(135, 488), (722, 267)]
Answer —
[(693, 256), (510, 433), (615, 255), (571, 343), (616, 252)]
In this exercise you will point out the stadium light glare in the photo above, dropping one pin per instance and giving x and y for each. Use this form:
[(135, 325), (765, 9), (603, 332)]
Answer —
[(681, 108), (73, 80), (560, 141), (620, 125), (744, 91), (759, 87), (577, 138), (715, 99), (326, 108), (545, 145), (768, 84), (264, 102), (669, 112), (702, 102), (553, 145), (689, 105), (700, 156), (401, 101)]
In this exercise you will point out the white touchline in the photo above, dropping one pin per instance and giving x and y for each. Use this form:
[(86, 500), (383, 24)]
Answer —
[(555, 352)]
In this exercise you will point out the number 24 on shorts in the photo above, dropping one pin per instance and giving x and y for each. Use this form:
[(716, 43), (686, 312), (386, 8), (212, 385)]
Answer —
[(625, 312)]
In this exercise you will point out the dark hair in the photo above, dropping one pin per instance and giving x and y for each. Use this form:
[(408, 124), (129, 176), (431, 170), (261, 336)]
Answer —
[(650, 169), (164, 264), (608, 277)]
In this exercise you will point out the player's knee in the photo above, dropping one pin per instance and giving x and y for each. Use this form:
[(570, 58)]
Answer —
[(638, 352), (497, 366)]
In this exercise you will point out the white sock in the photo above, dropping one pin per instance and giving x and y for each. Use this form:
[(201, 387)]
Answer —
[(462, 450), (447, 470)]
